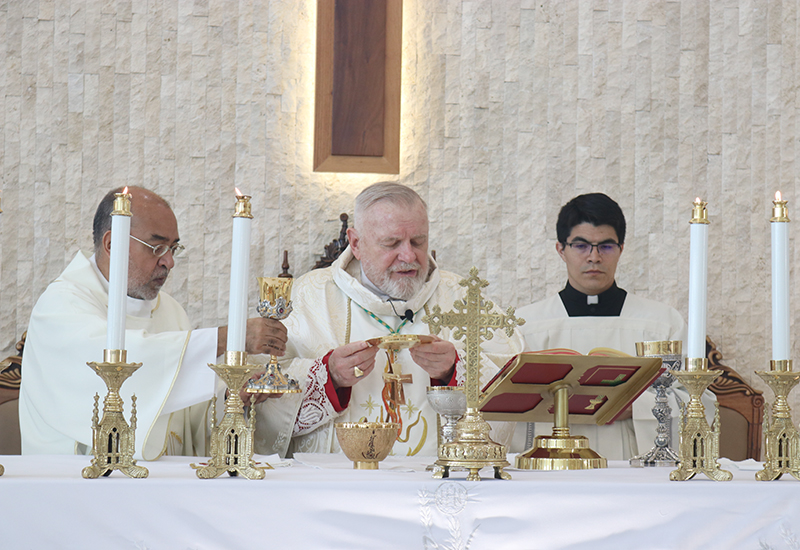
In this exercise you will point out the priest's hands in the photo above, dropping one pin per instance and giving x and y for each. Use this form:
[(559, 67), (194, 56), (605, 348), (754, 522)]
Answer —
[(438, 358), (344, 360), (265, 336), (262, 336)]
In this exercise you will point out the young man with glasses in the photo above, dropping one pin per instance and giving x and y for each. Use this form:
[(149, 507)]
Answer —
[(592, 312), (68, 328)]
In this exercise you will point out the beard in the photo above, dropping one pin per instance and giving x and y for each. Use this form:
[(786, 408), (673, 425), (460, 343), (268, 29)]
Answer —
[(403, 288), (149, 289)]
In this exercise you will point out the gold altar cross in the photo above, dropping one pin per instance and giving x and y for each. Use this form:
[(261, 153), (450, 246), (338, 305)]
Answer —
[(473, 318), (395, 380)]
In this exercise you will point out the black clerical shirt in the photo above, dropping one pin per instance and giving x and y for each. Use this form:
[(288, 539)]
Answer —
[(608, 303)]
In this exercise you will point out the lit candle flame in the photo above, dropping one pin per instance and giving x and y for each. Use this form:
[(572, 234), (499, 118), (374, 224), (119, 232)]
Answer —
[(125, 191), (777, 195), (697, 200), (238, 193)]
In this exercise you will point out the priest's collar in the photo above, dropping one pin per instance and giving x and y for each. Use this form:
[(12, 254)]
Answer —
[(134, 306), (606, 304)]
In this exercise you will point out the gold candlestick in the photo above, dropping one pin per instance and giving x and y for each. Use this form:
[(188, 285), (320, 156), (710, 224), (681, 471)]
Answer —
[(781, 438), (113, 441), (699, 447), (472, 448), (232, 439)]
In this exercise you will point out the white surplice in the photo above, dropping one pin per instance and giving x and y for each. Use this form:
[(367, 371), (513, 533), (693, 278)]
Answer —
[(329, 303), (68, 328), (548, 326)]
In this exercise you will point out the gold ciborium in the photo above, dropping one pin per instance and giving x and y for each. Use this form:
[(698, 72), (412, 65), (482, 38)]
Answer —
[(274, 303), (366, 443)]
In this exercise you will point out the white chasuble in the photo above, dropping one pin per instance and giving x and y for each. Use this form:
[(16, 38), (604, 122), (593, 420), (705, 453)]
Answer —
[(332, 307), (68, 329), (548, 326)]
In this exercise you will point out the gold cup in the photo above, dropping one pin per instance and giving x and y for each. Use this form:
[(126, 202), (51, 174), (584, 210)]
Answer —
[(366, 443), (274, 303)]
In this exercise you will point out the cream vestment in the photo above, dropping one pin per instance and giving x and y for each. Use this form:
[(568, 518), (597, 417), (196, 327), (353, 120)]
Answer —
[(330, 309), (68, 328), (548, 326)]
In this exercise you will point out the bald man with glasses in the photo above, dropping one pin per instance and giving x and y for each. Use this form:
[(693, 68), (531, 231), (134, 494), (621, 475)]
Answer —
[(593, 312), (68, 328)]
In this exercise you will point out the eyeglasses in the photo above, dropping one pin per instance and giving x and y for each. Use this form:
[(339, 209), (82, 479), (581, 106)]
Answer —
[(583, 248), (161, 249)]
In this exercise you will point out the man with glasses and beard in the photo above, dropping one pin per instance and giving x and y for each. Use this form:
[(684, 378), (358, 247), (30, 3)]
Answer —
[(68, 328), (384, 283), (593, 312)]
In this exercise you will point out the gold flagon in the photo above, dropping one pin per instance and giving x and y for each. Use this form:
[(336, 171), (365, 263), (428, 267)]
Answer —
[(113, 440), (472, 448), (781, 439), (560, 451), (232, 439), (699, 447)]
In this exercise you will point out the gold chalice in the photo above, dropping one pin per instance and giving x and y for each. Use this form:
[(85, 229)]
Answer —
[(274, 303), (366, 443)]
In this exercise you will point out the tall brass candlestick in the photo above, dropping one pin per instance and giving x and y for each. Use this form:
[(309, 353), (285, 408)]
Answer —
[(781, 439), (699, 446)]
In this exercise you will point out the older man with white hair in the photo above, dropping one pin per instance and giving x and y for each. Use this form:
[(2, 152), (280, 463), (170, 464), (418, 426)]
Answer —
[(384, 283)]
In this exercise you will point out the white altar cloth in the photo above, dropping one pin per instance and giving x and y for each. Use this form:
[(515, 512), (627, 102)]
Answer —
[(320, 502)]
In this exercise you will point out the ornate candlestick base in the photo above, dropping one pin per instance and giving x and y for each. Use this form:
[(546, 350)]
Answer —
[(472, 449), (782, 442), (699, 448), (661, 454), (113, 441), (232, 439)]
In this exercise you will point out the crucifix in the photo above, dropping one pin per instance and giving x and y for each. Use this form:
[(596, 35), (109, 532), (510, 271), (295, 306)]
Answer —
[(394, 379), (473, 320)]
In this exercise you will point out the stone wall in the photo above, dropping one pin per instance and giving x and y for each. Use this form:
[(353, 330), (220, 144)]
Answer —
[(509, 108)]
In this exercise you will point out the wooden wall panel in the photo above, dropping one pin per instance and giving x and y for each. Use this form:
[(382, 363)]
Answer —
[(357, 118)]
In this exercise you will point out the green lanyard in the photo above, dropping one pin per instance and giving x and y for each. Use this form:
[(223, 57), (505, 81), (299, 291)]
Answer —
[(390, 329)]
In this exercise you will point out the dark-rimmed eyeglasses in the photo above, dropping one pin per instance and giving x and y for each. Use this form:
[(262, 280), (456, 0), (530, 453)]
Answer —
[(161, 249), (584, 249)]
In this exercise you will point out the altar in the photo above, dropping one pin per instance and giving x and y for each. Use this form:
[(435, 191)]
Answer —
[(320, 502)]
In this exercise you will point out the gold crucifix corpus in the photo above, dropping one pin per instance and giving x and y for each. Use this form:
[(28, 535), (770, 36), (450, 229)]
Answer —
[(394, 379), (474, 321)]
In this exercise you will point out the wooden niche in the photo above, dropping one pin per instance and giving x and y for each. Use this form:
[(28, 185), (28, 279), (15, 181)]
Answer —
[(357, 111)]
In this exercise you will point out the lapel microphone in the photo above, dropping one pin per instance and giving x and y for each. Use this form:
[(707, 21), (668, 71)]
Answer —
[(408, 315)]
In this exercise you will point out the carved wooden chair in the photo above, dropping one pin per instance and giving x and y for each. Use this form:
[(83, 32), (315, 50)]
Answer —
[(10, 379), (332, 250), (741, 410)]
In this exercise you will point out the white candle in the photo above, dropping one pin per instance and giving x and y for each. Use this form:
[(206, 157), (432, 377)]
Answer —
[(779, 225), (240, 266), (118, 270), (698, 281)]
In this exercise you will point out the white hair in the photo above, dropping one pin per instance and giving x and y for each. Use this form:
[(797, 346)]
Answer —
[(395, 193)]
